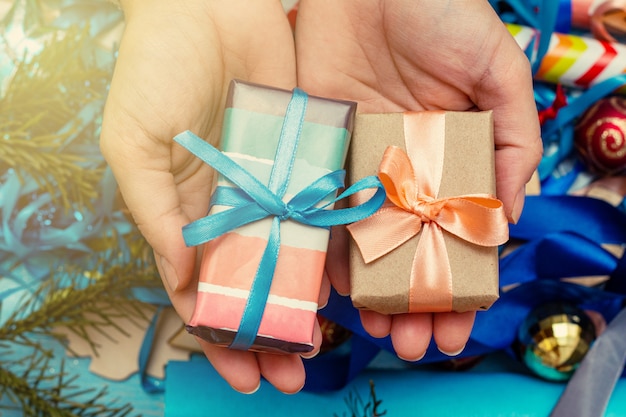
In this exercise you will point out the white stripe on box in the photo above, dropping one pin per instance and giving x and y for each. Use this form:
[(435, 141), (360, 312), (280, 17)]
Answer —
[(272, 299), (246, 157), (292, 234)]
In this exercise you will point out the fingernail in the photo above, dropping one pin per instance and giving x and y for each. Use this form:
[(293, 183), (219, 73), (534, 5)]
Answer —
[(342, 293), (310, 355), (169, 274), (249, 392), (419, 358), (458, 352), (518, 205)]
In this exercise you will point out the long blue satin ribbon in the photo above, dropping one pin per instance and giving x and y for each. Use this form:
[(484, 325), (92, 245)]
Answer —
[(564, 237), (557, 15), (549, 13), (557, 252), (545, 16), (253, 201), (596, 219), (334, 369), (534, 272), (556, 256)]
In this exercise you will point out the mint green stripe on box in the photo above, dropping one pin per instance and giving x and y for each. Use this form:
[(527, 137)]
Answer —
[(257, 134), (302, 176)]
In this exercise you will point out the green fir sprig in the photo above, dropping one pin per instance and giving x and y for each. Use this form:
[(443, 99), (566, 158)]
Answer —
[(359, 408), (40, 393), (79, 301), (50, 115), (47, 117), (88, 299)]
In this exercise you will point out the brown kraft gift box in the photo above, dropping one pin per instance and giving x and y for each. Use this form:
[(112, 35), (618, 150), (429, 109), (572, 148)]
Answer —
[(383, 285)]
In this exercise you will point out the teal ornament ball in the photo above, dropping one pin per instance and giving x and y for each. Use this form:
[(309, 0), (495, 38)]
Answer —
[(554, 338)]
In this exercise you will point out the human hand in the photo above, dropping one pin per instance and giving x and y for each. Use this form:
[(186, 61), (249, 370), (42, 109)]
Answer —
[(176, 59), (398, 55)]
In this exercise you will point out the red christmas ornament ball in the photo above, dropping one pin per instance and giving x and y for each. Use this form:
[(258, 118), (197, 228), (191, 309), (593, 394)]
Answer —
[(600, 136)]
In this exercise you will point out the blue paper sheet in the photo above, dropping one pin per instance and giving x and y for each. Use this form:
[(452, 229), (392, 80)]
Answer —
[(487, 391)]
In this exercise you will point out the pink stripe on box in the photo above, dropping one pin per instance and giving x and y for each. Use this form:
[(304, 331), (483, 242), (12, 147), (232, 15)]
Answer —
[(279, 322), (232, 261)]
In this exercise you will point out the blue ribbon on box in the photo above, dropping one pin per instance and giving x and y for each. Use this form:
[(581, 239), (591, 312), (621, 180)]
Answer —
[(253, 201)]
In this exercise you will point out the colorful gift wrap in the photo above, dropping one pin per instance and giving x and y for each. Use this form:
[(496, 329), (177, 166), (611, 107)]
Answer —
[(253, 123), (571, 60), (602, 17), (432, 247)]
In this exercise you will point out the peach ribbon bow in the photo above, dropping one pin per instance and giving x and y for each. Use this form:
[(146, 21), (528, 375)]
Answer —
[(411, 180)]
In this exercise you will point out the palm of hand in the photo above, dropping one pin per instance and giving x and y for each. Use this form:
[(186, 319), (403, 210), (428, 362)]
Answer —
[(171, 75), (395, 56), (398, 55), (174, 64)]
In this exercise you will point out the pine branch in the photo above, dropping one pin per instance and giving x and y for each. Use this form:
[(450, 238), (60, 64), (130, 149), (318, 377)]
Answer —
[(358, 408), (103, 300), (41, 395), (33, 19), (73, 301), (48, 112), (375, 402)]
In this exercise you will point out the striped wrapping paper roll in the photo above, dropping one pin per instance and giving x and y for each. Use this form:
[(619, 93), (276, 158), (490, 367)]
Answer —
[(571, 60)]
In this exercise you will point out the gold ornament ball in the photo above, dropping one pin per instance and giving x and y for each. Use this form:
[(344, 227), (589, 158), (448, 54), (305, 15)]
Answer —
[(554, 339)]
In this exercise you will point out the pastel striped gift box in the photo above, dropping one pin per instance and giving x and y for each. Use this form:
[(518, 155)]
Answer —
[(252, 125)]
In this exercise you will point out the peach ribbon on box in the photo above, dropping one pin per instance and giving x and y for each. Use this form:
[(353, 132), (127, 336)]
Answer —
[(411, 180)]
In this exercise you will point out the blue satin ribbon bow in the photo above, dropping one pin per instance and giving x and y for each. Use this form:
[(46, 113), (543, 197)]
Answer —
[(254, 201)]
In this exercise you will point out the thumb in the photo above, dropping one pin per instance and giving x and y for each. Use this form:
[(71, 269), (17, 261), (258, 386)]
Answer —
[(142, 168), (507, 89)]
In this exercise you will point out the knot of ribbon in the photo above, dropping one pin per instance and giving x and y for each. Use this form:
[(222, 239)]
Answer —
[(414, 206), (425, 207), (252, 201)]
